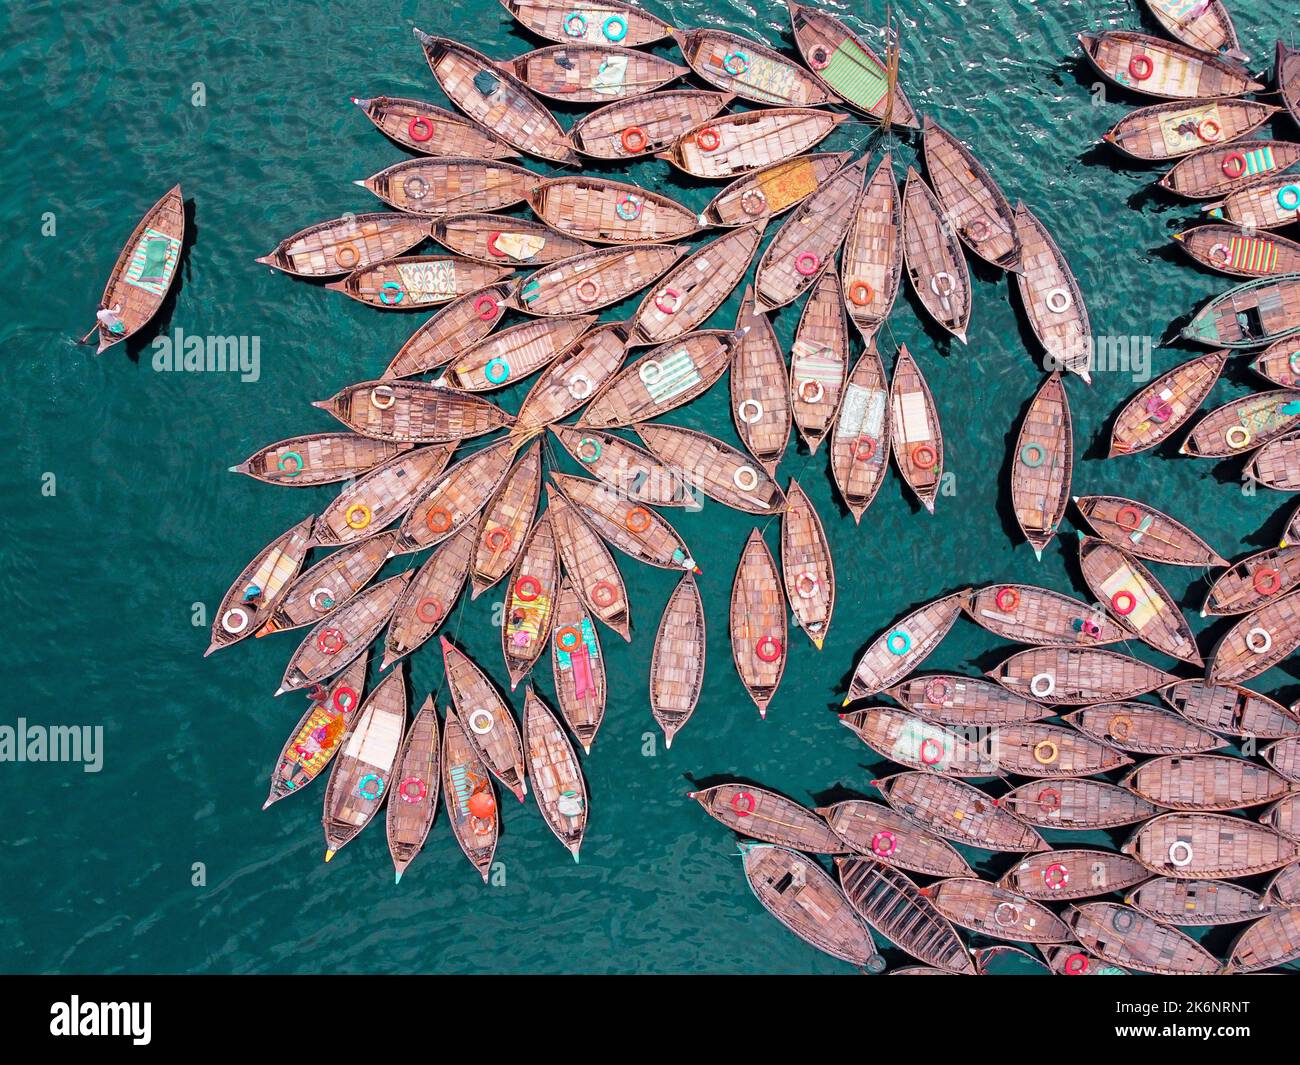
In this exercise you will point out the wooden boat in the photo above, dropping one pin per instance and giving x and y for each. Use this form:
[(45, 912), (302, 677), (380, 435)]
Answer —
[(1044, 464), (1284, 815), (319, 733), (1057, 875), (644, 125), (505, 358), (1075, 804), (894, 654), (694, 288), (610, 212), (577, 665), (718, 470), (1002, 960), (1271, 941), (1157, 410), (1204, 782), (996, 911), (819, 361), (336, 641), (724, 147), (794, 890), (490, 727), (1142, 729), (558, 786), (751, 70), (635, 530), (143, 273), (1206, 26), (317, 458), (665, 378), (1195, 903), (493, 238), (872, 263), (1124, 936), (959, 812), (1194, 846), (972, 201), (381, 497), (806, 565), (459, 324), (455, 498), (1052, 300), (1024, 613), (1284, 887), (329, 584), (1284, 756), (892, 838), (469, 797), (635, 472), (1254, 581), (598, 21), (429, 598), (845, 63), (413, 412), (506, 519), (1137, 600), (1253, 314), (894, 906), (595, 279), (1071, 961), (495, 98), (677, 665), (421, 127), (442, 188), (1224, 168), (1267, 203), (767, 816), (592, 73), (573, 378), (256, 592), (529, 601), (415, 282), (760, 390), (412, 810), (916, 436), (1144, 532), (1033, 749), (1078, 675), (919, 744), (1279, 363), (966, 701), (1231, 710), (1277, 465), (757, 622), (1292, 531), (589, 564), (860, 444), (772, 190), (1287, 72), (1172, 130), (1168, 70), (933, 257), (1262, 639), (362, 772), (341, 245)]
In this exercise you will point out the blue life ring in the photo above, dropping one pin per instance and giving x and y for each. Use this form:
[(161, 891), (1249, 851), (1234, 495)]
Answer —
[(376, 790), (614, 20), (892, 646), (735, 63), (391, 286), (575, 25), (497, 370)]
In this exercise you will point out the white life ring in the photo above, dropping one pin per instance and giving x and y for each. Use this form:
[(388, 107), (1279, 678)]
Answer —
[(317, 594), (818, 392), (1043, 685), (476, 718), (745, 478), (229, 618), (1058, 301), (383, 392), (1260, 641), (750, 404), (648, 378), (1180, 853), (577, 379)]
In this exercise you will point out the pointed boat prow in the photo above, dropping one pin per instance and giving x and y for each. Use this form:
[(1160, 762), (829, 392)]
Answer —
[(329, 855)]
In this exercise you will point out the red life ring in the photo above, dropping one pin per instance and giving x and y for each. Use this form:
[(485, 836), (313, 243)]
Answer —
[(419, 121), (1128, 598), (936, 690), (668, 300), (634, 140), (1056, 876), (492, 245), (406, 794), (1076, 965), (604, 594), (345, 699), (858, 444), (883, 844), (1128, 518), (708, 139), (1203, 131), (806, 263), (486, 308), (1005, 594), (743, 803), (1050, 798), (1234, 165), (430, 600), (1267, 581), (1141, 67), (331, 641), (533, 585), (932, 744), (773, 646)]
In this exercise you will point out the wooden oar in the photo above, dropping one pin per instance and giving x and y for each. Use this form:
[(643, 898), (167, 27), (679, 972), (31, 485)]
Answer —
[(93, 330)]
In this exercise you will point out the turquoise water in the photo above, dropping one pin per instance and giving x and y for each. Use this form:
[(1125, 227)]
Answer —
[(101, 577)]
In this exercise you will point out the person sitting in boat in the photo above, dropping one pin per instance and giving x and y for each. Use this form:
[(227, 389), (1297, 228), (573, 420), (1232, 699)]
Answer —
[(108, 318)]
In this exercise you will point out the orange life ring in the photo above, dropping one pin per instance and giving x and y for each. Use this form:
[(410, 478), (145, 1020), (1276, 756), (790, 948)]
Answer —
[(1237, 167), (773, 648), (634, 140), (1141, 67), (354, 257), (1267, 581), (858, 444), (1005, 594), (436, 603), (568, 630), (501, 535), (1120, 727), (743, 803), (1128, 518), (1203, 132), (643, 520), (1050, 798), (929, 461), (604, 594), (860, 293), (708, 139), (533, 585), (443, 516)]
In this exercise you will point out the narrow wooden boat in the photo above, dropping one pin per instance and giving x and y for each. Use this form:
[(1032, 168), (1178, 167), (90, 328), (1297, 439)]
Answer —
[(335, 642), (1287, 74), (1057, 875), (490, 727), (1260, 640), (413, 412), (1136, 599), (1078, 675), (760, 391), (1071, 961), (997, 911), (1157, 410), (498, 239), (469, 796), (677, 665), (757, 622), (495, 98), (1043, 466), (319, 733), (644, 125), (1052, 300), (416, 282), (505, 358), (341, 245), (1252, 315), (457, 325), (429, 598), (1280, 363), (901, 649), (892, 838), (694, 288), (806, 565), (663, 379), (872, 263), (635, 472), (772, 190), (1277, 465), (329, 584), (919, 744), (381, 497), (610, 212), (1254, 581), (440, 188), (1172, 130), (972, 202), (597, 21), (959, 812), (252, 598), (860, 444), (1142, 729), (1284, 756), (1205, 782), (1195, 903), (362, 773), (718, 470), (412, 810), (529, 601), (1231, 710), (1002, 960), (1144, 532), (1075, 804), (1033, 749), (1124, 936), (577, 665), (455, 498), (595, 279), (845, 63), (1024, 613), (1194, 846), (1267, 203), (506, 519), (768, 816), (635, 530), (722, 148), (143, 273), (589, 564), (933, 257), (794, 889), (895, 906), (1284, 815), (1224, 168), (1271, 941), (573, 378), (592, 73), (421, 127), (317, 458), (916, 436), (819, 361), (1284, 887), (752, 71), (1292, 531), (1168, 70), (967, 701), (1205, 26), (558, 786)]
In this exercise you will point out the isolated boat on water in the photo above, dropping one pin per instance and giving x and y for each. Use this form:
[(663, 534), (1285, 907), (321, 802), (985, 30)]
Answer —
[(422, 127), (677, 664)]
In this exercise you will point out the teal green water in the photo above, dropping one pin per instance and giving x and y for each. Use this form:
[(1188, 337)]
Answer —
[(101, 577)]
